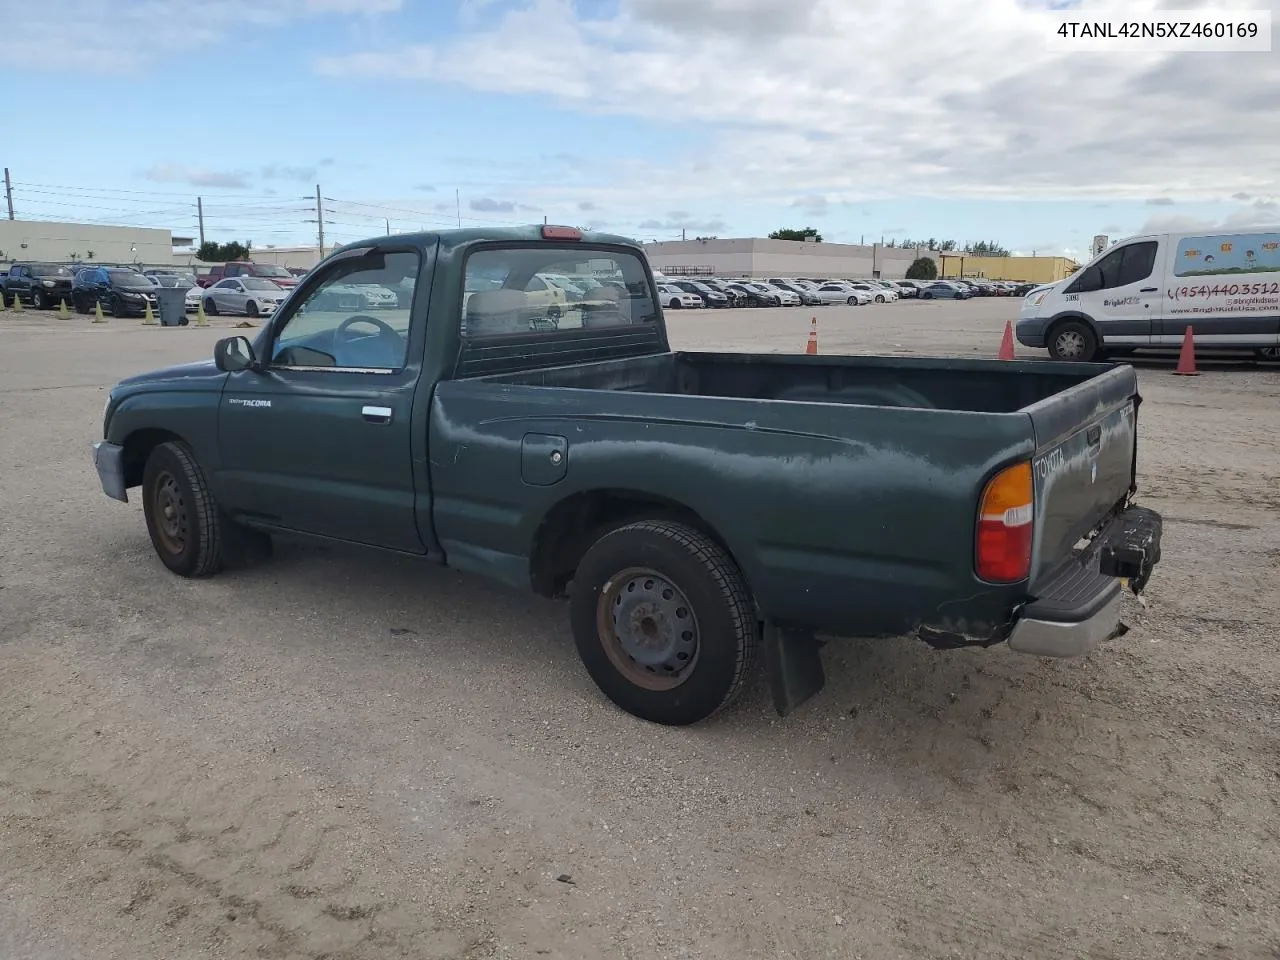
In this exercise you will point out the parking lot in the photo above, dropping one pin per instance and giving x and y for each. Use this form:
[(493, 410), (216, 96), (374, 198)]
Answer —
[(346, 755)]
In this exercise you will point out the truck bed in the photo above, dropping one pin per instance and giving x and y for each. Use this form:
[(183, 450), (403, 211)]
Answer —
[(848, 486)]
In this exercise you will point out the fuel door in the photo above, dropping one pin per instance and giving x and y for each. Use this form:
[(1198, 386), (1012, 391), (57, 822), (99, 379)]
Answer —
[(544, 459)]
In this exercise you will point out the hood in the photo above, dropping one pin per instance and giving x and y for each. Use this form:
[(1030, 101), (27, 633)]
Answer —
[(199, 373)]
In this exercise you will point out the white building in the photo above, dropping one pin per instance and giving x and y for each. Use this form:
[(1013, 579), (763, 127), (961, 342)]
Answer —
[(48, 240), (781, 258)]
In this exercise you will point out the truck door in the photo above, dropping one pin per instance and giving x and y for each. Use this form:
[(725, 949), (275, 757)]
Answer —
[(321, 439), (1122, 293)]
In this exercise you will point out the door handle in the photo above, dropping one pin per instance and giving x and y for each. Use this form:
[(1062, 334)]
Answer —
[(1148, 289), (376, 414)]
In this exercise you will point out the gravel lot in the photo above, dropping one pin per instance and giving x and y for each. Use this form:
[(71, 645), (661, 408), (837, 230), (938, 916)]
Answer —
[(344, 755)]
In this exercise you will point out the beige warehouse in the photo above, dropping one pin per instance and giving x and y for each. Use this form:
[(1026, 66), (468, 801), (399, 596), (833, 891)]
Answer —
[(781, 258)]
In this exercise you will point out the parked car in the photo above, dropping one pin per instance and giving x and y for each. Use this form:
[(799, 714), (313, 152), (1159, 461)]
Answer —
[(786, 297), (754, 297), (843, 293), (43, 285), (878, 293), (945, 290), (182, 281), (736, 299), (122, 292), (901, 288), (247, 296), (247, 268), (996, 507), (191, 303), (676, 298), (710, 296), (378, 297), (807, 297)]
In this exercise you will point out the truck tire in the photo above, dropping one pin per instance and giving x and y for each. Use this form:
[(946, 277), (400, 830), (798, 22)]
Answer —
[(183, 519), (663, 621), (38, 300), (1072, 341)]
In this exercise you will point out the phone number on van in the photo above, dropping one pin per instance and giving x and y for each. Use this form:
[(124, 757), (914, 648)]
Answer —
[(1227, 290)]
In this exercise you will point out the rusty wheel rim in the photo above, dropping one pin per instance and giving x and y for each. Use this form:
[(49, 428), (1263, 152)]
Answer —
[(648, 629), (169, 508)]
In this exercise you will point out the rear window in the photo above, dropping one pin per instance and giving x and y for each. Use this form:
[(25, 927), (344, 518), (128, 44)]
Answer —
[(546, 288)]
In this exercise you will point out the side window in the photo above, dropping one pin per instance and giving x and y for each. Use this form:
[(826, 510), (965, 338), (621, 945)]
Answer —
[(1139, 259), (356, 318), (1103, 275), (508, 293)]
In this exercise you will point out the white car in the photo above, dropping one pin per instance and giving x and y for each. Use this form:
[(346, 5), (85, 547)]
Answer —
[(676, 299), (250, 296), (878, 293), (842, 293), (788, 298), (193, 298), (377, 297)]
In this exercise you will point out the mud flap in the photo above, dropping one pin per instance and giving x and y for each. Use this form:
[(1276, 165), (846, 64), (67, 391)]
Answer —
[(793, 665)]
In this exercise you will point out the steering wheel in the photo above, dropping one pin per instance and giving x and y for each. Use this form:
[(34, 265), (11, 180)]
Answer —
[(384, 329)]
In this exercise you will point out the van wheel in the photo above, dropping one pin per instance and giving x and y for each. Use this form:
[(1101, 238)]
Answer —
[(663, 622), (1072, 341)]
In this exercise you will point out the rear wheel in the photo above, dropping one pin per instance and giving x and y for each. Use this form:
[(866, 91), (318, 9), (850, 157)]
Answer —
[(663, 621), (1072, 341)]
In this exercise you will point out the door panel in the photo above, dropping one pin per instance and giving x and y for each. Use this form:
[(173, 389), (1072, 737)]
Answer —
[(1128, 295), (320, 438)]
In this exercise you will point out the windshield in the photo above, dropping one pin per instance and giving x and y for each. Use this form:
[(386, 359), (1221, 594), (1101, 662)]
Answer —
[(271, 270), (130, 278), (49, 270), (253, 283)]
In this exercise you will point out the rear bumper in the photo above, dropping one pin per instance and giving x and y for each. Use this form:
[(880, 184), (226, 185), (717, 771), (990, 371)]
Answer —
[(1080, 607)]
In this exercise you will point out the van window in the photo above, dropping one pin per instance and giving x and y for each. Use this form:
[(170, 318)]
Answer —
[(1139, 258)]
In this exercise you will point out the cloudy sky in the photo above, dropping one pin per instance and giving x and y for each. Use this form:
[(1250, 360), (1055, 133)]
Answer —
[(867, 119)]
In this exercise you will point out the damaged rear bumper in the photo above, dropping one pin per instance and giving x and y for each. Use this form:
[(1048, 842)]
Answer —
[(1080, 607)]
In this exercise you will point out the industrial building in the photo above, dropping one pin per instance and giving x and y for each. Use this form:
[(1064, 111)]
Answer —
[(781, 258), (1021, 269), (45, 240)]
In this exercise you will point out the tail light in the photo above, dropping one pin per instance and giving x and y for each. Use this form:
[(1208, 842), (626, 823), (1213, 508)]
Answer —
[(552, 232), (1006, 526)]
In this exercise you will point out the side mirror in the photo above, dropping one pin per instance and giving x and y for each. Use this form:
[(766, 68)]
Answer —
[(234, 353)]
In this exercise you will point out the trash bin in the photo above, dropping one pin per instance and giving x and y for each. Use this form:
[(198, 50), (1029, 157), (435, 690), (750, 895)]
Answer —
[(173, 306)]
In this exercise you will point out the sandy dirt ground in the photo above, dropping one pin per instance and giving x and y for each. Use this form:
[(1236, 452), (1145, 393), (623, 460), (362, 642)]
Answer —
[(354, 757)]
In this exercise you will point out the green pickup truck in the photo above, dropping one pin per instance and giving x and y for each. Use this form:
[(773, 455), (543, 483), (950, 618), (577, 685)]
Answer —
[(704, 513)]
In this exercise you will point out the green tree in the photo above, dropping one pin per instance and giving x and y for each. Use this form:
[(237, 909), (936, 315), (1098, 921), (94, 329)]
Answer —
[(788, 233), (211, 252), (923, 268), (986, 248)]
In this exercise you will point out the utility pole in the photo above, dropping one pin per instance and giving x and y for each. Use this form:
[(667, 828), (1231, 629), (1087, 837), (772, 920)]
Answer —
[(682, 236), (457, 203), (8, 191), (320, 221), (388, 220), (200, 217)]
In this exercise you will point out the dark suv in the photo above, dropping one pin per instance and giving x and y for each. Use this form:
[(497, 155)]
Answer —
[(121, 291), (43, 285)]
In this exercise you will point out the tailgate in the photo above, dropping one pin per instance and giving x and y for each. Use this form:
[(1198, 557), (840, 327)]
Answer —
[(1084, 465)]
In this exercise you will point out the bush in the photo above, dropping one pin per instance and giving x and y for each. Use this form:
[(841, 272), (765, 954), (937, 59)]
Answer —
[(922, 268)]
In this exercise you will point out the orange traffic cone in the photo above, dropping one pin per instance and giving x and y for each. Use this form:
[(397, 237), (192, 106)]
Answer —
[(811, 348), (1187, 358), (1006, 345)]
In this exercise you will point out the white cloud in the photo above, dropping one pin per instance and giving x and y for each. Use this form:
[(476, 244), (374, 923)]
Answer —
[(103, 36), (950, 100), (197, 176)]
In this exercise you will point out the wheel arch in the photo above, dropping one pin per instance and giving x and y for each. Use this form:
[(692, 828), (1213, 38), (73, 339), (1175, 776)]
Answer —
[(137, 448), (567, 530), (1066, 316)]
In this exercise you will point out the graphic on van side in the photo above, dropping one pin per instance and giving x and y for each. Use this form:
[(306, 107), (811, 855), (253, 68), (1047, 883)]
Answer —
[(1227, 254)]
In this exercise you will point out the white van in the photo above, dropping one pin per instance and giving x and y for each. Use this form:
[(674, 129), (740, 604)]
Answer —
[(1145, 292)]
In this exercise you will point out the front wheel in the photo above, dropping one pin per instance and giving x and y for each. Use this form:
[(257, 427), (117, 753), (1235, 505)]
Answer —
[(663, 622), (926, 295), (674, 304), (1073, 341), (852, 301), (250, 309), (182, 518), (38, 300), (881, 300), (210, 307)]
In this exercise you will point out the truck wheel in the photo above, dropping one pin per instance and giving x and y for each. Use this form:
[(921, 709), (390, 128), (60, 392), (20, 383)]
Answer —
[(183, 519), (1072, 341), (37, 300), (663, 622)]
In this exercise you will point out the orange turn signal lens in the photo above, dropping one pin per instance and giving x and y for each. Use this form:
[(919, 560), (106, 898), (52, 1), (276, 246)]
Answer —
[(1006, 526)]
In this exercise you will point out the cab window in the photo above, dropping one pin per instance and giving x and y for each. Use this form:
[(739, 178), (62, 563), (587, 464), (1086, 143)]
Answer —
[(546, 288), (349, 321)]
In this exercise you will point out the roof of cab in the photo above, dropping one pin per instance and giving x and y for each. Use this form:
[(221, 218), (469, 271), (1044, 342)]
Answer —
[(458, 238)]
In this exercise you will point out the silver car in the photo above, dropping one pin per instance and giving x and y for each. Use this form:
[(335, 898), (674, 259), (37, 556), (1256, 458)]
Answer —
[(250, 296)]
